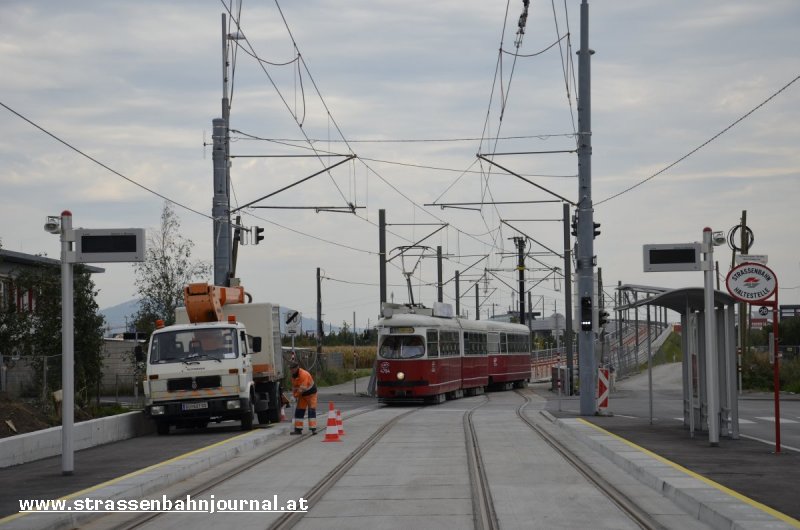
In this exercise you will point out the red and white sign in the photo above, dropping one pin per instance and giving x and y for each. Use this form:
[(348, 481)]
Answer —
[(602, 389), (751, 282)]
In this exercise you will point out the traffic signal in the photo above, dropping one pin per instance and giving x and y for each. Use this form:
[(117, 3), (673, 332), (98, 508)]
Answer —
[(596, 230), (575, 224), (602, 318), (258, 234), (586, 313)]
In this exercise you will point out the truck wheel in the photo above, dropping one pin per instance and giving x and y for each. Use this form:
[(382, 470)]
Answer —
[(247, 418), (162, 428), (263, 417), (274, 412)]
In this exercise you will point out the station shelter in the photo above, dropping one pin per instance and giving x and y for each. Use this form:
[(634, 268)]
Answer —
[(704, 372)]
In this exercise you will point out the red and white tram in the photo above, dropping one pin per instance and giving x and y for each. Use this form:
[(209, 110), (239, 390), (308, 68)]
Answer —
[(421, 356)]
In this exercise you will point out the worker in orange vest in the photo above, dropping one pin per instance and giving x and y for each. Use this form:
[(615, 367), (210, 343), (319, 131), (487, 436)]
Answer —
[(304, 389)]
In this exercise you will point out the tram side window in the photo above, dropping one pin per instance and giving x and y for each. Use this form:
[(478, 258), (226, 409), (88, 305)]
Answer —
[(402, 347), (448, 343), (504, 343), (474, 343), (493, 343), (433, 343), (518, 344)]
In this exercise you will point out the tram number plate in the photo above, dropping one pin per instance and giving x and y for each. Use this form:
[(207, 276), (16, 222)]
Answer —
[(195, 406)]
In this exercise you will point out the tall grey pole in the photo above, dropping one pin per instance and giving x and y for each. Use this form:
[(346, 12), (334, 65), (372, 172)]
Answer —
[(221, 203), (319, 313), (382, 256), (586, 356), (521, 270), (458, 296), (439, 287), (649, 366), (67, 347), (712, 366), (568, 300), (477, 302)]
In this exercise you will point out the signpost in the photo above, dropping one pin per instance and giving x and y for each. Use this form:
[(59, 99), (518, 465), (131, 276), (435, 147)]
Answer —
[(754, 282), (293, 320), (103, 245)]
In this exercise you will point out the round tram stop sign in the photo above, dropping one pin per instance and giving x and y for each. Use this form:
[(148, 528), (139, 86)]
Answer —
[(751, 282)]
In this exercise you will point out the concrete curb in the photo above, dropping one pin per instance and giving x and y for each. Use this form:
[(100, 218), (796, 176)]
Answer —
[(144, 482), (717, 507), (36, 445)]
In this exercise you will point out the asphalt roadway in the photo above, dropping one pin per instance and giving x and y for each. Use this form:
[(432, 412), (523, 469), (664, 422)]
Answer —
[(749, 469)]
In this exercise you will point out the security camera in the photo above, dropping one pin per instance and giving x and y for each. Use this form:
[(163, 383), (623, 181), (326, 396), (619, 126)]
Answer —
[(52, 225), (718, 238)]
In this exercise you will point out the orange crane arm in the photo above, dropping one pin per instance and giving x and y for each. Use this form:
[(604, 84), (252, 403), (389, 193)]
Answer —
[(204, 302)]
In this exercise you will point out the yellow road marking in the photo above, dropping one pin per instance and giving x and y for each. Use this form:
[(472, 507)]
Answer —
[(130, 475), (763, 507)]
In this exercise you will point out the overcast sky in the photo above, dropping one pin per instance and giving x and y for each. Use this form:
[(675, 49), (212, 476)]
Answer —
[(135, 85)]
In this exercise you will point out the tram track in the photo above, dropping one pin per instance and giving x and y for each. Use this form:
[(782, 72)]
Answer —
[(622, 501), (316, 492), (230, 474), (483, 512)]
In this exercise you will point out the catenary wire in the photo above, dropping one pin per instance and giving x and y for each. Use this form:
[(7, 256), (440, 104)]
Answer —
[(699, 147)]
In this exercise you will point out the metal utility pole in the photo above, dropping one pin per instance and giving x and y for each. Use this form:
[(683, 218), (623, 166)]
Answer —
[(67, 347), (458, 296), (520, 242), (568, 301), (319, 313), (221, 203), (477, 302), (382, 256), (744, 307), (440, 293), (586, 355)]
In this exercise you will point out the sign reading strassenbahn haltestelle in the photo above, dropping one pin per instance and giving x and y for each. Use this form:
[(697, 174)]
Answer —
[(751, 282)]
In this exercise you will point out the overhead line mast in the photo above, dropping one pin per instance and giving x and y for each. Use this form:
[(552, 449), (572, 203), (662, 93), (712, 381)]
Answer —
[(585, 224)]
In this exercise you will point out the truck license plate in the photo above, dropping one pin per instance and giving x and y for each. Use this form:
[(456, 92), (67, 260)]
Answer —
[(195, 406)]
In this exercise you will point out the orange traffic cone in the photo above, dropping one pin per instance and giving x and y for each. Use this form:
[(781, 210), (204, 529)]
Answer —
[(283, 413), (339, 422), (331, 429)]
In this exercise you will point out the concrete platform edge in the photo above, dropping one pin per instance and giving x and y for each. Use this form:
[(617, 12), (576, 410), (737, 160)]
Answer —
[(711, 505), (148, 480)]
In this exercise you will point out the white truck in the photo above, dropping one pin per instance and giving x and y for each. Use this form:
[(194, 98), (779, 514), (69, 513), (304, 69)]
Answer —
[(220, 361)]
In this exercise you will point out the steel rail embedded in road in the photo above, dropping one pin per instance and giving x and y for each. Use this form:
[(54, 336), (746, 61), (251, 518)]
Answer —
[(289, 519), (623, 502), (483, 512)]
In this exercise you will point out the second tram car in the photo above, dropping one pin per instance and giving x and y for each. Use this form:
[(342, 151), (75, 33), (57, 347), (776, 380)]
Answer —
[(432, 358)]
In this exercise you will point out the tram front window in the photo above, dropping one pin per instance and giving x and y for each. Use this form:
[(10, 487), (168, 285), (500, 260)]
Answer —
[(405, 347)]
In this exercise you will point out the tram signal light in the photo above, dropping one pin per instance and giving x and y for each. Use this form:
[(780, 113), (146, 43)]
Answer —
[(596, 231), (575, 224), (586, 313), (258, 234), (602, 318)]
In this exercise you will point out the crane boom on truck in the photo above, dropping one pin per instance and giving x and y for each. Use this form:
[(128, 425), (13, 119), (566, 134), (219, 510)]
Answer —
[(220, 361)]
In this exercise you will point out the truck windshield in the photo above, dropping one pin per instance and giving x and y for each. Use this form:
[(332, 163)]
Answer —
[(194, 345), (402, 347)]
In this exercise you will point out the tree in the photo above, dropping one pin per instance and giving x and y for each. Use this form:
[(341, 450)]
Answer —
[(42, 325), (167, 268)]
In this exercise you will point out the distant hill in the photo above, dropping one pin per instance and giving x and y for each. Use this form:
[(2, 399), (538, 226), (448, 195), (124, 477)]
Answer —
[(119, 315), (116, 316)]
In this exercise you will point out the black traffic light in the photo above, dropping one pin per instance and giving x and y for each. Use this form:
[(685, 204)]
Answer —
[(596, 230), (602, 318), (575, 224), (586, 313), (258, 234)]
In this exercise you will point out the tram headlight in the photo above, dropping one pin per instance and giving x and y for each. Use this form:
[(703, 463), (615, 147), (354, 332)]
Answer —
[(400, 376)]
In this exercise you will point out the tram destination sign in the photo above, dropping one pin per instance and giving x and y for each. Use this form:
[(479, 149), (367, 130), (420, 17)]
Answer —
[(751, 282)]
